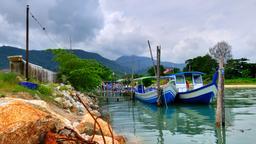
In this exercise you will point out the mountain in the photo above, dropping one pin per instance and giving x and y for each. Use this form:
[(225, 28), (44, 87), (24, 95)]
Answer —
[(141, 64), (44, 58)]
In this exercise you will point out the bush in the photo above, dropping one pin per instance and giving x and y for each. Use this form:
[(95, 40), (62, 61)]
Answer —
[(45, 90)]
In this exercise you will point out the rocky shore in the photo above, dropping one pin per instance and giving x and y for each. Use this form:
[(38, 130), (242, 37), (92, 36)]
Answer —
[(72, 117)]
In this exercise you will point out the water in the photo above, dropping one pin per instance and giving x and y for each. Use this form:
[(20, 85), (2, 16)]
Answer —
[(183, 124)]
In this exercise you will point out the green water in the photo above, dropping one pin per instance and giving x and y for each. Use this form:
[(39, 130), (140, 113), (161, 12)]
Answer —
[(186, 124)]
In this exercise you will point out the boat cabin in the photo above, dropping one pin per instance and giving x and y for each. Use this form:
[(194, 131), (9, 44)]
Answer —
[(182, 83)]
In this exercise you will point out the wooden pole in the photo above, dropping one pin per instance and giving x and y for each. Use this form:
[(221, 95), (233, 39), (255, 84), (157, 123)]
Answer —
[(27, 41), (150, 50), (222, 92), (159, 102), (219, 112)]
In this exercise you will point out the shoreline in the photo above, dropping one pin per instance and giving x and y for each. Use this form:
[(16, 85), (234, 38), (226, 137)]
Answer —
[(240, 86)]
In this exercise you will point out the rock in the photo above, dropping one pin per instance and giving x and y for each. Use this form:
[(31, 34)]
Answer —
[(85, 100), (94, 106), (96, 113), (73, 93), (78, 93), (87, 125), (109, 140), (80, 107), (74, 109), (120, 139), (54, 94), (24, 121), (69, 87), (59, 100), (67, 104)]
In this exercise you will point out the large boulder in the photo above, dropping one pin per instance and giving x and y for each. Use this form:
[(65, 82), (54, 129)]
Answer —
[(87, 126), (27, 121)]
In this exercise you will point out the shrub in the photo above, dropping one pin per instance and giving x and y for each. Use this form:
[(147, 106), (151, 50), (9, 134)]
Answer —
[(45, 90)]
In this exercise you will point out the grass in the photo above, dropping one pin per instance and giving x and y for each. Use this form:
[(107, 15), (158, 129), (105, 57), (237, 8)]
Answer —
[(9, 84), (240, 81)]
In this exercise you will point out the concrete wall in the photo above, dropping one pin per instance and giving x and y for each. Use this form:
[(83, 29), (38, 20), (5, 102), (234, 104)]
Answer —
[(34, 71)]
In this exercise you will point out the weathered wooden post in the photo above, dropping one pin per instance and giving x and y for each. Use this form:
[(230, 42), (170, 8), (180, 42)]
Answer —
[(222, 52), (151, 55), (159, 95)]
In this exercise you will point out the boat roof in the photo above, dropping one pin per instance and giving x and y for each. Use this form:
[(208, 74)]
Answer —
[(188, 73), (150, 77), (145, 77)]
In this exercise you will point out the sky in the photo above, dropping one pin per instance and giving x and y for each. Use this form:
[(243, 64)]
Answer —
[(113, 28)]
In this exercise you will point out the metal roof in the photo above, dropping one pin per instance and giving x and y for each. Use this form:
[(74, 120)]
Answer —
[(188, 73)]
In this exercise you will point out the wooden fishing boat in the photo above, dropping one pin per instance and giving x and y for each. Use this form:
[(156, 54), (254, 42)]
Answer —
[(149, 95), (195, 92)]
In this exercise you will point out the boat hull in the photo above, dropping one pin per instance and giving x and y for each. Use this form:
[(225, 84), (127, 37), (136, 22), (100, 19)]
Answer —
[(168, 96), (202, 95)]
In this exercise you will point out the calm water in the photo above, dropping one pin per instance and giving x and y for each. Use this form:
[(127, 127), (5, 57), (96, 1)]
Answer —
[(183, 124)]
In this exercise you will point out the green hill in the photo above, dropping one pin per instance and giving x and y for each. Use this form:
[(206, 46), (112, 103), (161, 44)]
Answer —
[(141, 64), (44, 58)]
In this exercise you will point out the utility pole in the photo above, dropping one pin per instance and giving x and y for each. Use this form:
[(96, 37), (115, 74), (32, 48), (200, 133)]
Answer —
[(27, 41), (159, 101)]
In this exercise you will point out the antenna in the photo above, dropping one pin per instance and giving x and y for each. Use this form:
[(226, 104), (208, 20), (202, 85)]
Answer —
[(70, 42)]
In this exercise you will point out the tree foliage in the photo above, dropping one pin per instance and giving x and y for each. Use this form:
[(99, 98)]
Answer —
[(204, 64), (239, 68), (151, 71), (83, 74), (147, 82)]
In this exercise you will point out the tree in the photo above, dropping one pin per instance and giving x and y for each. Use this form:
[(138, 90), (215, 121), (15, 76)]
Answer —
[(236, 68), (147, 82), (204, 64), (83, 74), (151, 71)]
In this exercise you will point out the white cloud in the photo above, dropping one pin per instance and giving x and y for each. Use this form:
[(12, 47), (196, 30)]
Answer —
[(113, 28)]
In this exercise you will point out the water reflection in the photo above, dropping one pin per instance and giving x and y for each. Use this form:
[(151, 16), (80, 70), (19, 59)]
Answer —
[(185, 123)]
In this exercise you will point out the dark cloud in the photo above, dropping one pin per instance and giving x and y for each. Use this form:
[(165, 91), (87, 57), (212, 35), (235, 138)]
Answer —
[(81, 19)]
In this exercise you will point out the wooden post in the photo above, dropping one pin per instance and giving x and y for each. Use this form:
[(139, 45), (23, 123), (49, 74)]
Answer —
[(222, 92), (159, 101), (220, 117), (151, 55), (27, 41)]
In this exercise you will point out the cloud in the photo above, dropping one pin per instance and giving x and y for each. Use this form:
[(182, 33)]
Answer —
[(112, 28), (81, 20), (120, 36)]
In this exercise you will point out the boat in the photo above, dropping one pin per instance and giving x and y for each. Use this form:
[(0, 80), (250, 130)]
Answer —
[(197, 92), (149, 95)]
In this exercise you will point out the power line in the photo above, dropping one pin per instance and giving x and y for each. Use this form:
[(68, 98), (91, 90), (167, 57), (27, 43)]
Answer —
[(45, 31)]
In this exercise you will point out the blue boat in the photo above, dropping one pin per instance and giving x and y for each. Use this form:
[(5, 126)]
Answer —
[(149, 95), (196, 92)]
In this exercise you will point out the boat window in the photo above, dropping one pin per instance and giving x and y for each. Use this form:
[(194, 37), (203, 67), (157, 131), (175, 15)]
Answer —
[(180, 79), (198, 79)]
